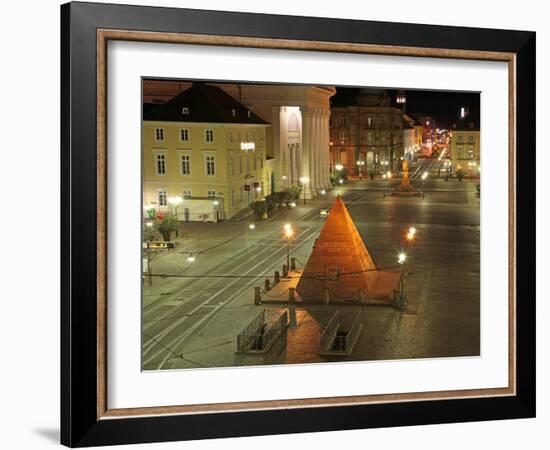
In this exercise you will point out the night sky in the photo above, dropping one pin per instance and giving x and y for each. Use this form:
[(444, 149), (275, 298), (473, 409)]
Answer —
[(443, 106)]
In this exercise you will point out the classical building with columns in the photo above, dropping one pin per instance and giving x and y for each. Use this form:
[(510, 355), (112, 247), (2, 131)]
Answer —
[(365, 127), (298, 139)]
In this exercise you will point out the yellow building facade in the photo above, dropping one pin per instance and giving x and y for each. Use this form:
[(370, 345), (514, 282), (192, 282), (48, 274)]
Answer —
[(203, 171), (465, 146)]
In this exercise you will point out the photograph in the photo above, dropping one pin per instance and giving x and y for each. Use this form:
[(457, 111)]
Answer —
[(300, 224)]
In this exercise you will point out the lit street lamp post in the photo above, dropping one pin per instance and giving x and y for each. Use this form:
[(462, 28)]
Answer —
[(288, 234), (360, 165), (411, 235)]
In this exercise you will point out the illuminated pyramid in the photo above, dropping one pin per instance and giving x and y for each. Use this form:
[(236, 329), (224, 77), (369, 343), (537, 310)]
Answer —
[(340, 268)]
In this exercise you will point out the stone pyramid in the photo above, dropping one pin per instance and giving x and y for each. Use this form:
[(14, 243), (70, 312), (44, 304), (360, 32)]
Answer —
[(340, 265)]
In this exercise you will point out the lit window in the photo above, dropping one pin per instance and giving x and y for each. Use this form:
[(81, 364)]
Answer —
[(184, 135), (159, 134), (186, 193), (210, 165), (343, 137), (163, 198), (161, 164), (343, 119), (211, 194), (209, 135), (185, 165), (470, 139)]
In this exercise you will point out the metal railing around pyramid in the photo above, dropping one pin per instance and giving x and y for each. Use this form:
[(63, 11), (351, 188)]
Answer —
[(340, 268)]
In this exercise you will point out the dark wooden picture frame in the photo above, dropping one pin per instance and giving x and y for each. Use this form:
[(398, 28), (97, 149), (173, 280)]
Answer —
[(85, 417)]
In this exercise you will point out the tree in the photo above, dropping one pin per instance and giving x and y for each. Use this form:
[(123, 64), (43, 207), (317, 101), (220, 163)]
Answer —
[(166, 225)]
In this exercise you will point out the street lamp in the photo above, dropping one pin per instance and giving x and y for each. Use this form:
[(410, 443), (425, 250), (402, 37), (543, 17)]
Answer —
[(360, 165), (304, 180), (288, 233), (339, 167), (401, 258), (410, 237), (174, 202)]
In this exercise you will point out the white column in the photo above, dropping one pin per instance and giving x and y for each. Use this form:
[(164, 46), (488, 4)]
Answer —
[(277, 154), (307, 130)]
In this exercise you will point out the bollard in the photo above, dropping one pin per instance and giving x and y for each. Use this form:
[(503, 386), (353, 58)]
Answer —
[(267, 285), (277, 277), (257, 297), (285, 271), (291, 298), (326, 296), (292, 320), (292, 263)]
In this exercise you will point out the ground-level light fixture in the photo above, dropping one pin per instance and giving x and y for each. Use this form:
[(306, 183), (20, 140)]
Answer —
[(252, 226), (425, 175), (389, 174), (341, 181), (190, 258), (384, 176), (287, 227), (323, 192), (401, 258), (284, 177), (216, 202), (338, 167), (293, 204)]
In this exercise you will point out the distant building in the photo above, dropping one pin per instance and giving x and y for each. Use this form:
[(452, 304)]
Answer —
[(367, 129), (465, 144), (409, 140), (206, 148), (298, 139)]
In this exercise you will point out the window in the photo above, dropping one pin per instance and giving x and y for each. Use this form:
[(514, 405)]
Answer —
[(343, 137), (184, 135), (471, 154), (185, 110), (159, 134), (231, 164), (369, 138), (369, 121), (247, 163), (255, 162), (211, 194), (343, 119), (209, 135), (240, 163), (186, 193), (161, 164), (163, 198), (460, 138), (470, 139), (185, 165), (210, 165)]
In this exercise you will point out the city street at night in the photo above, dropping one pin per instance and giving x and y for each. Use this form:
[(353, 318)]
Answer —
[(201, 293)]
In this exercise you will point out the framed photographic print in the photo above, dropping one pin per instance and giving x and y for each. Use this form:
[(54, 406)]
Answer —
[(278, 224)]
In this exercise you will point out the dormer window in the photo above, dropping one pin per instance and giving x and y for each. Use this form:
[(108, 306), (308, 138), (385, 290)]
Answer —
[(233, 112), (248, 114), (185, 110)]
